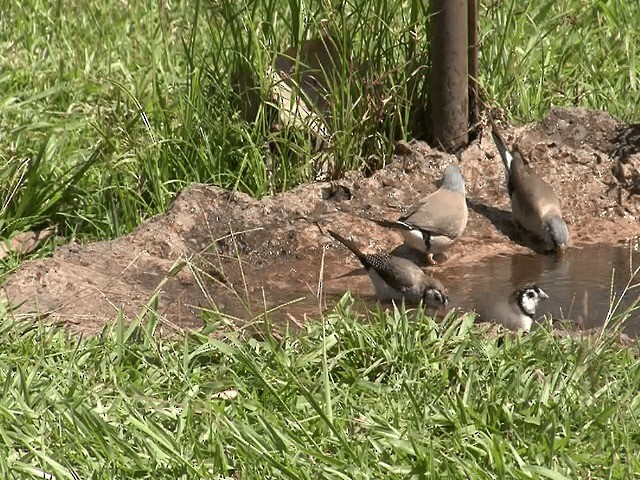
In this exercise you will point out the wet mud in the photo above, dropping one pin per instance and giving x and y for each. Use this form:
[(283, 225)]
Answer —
[(222, 251)]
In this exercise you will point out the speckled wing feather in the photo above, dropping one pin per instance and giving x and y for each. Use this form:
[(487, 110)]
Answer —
[(399, 273), (401, 279)]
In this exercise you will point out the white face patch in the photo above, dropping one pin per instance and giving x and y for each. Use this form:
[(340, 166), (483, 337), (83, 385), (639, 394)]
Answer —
[(529, 299), (435, 298)]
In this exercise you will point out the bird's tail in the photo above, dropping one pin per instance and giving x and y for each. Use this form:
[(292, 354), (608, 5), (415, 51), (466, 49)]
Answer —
[(348, 243), (398, 225), (505, 154)]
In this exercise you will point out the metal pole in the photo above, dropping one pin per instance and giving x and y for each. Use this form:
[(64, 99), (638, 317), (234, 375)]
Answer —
[(449, 97), (474, 95)]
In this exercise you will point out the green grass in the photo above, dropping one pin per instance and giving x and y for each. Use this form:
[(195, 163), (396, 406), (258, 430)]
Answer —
[(389, 395), (108, 109), (111, 108)]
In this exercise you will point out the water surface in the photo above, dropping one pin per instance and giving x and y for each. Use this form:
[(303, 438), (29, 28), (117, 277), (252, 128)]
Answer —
[(582, 285)]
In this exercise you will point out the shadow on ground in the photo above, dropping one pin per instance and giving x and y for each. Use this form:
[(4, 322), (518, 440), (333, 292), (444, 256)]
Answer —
[(220, 251)]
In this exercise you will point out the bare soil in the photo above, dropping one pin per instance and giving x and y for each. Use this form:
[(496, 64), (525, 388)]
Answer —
[(216, 249)]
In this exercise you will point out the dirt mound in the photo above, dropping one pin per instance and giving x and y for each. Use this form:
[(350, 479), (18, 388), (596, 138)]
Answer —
[(218, 250)]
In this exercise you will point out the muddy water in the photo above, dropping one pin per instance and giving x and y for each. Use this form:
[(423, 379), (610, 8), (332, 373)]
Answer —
[(579, 286)]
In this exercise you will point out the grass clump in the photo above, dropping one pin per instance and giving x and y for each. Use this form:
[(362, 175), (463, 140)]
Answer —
[(120, 107), (549, 54), (393, 395), (109, 109)]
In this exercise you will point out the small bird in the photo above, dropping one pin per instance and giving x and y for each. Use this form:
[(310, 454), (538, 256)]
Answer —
[(518, 312), (534, 204), (396, 278), (434, 223)]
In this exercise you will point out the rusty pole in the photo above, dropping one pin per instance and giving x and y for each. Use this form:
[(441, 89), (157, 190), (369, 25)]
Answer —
[(449, 95), (474, 94)]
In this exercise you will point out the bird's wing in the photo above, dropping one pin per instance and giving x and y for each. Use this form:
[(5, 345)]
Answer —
[(392, 224), (406, 274), (531, 196), (442, 213)]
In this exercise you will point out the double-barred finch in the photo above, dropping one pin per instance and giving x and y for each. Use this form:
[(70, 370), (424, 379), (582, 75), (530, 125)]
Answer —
[(518, 312), (434, 223), (534, 204), (396, 278)]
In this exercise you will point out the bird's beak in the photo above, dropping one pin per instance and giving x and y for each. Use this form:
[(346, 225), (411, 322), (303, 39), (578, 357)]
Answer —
[(560, 250), (543, 294)]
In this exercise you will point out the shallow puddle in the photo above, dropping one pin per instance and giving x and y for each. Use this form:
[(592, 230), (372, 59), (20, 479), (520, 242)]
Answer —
[(580, 285)]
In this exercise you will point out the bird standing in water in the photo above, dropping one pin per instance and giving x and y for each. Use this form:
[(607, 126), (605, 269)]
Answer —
[(534, 204), (518, 312), (396, 278)]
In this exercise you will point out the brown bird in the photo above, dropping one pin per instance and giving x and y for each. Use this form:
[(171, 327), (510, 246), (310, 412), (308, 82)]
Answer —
[(534, 204), (434, 223), (396, 278)]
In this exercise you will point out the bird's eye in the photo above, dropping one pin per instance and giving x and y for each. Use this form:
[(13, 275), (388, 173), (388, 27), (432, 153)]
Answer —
[(531, 294), (435, 295)]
